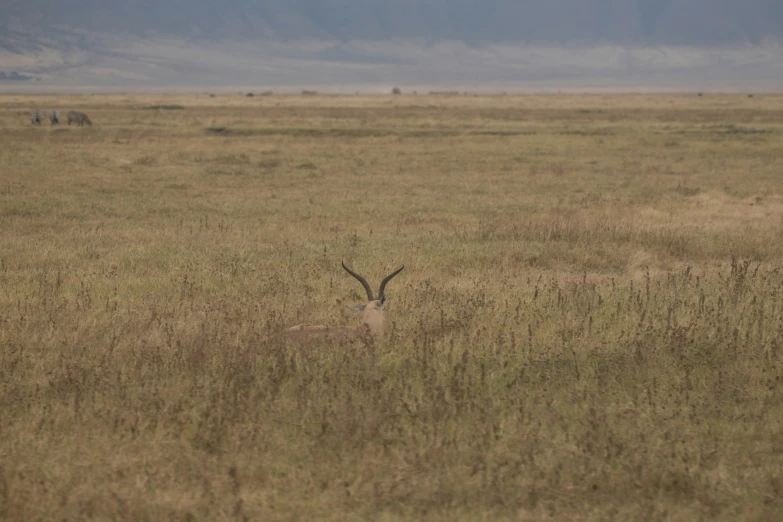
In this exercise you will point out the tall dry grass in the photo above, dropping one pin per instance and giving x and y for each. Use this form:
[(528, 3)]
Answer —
[(589, 326)]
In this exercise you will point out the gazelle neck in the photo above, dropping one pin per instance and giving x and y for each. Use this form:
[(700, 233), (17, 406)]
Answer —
[(372, 317)]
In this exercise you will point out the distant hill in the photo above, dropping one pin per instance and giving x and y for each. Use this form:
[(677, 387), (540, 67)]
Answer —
[(660, 22), (671, 44)]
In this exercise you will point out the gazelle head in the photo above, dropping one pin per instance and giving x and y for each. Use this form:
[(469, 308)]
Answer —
[(372, 310)]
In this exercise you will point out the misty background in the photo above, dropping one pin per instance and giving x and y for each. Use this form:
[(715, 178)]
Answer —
[(372, 45)]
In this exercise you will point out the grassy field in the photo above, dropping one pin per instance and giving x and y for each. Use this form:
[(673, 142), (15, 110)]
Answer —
[(589, 325)]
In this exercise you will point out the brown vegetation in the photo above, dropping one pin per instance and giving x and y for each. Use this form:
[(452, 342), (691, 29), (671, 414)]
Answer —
[(589, 327)]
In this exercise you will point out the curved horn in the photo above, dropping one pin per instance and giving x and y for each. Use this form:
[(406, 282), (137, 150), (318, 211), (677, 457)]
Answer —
[(362, 280), (387, 279)]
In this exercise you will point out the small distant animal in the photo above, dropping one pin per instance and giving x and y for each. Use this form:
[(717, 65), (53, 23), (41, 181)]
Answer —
[(79, 118), (37, 117), (54, 116)]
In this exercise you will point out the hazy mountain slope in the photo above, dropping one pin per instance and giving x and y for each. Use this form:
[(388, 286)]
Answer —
[(669, 22), (722, 44)]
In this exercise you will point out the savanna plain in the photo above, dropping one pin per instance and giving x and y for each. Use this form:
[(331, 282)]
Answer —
[(589, 325)]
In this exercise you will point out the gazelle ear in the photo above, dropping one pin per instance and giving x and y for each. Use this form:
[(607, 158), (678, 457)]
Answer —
[(382, 300), (358, 308)]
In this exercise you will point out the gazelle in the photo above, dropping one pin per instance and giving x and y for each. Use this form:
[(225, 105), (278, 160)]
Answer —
[(372, 315)]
